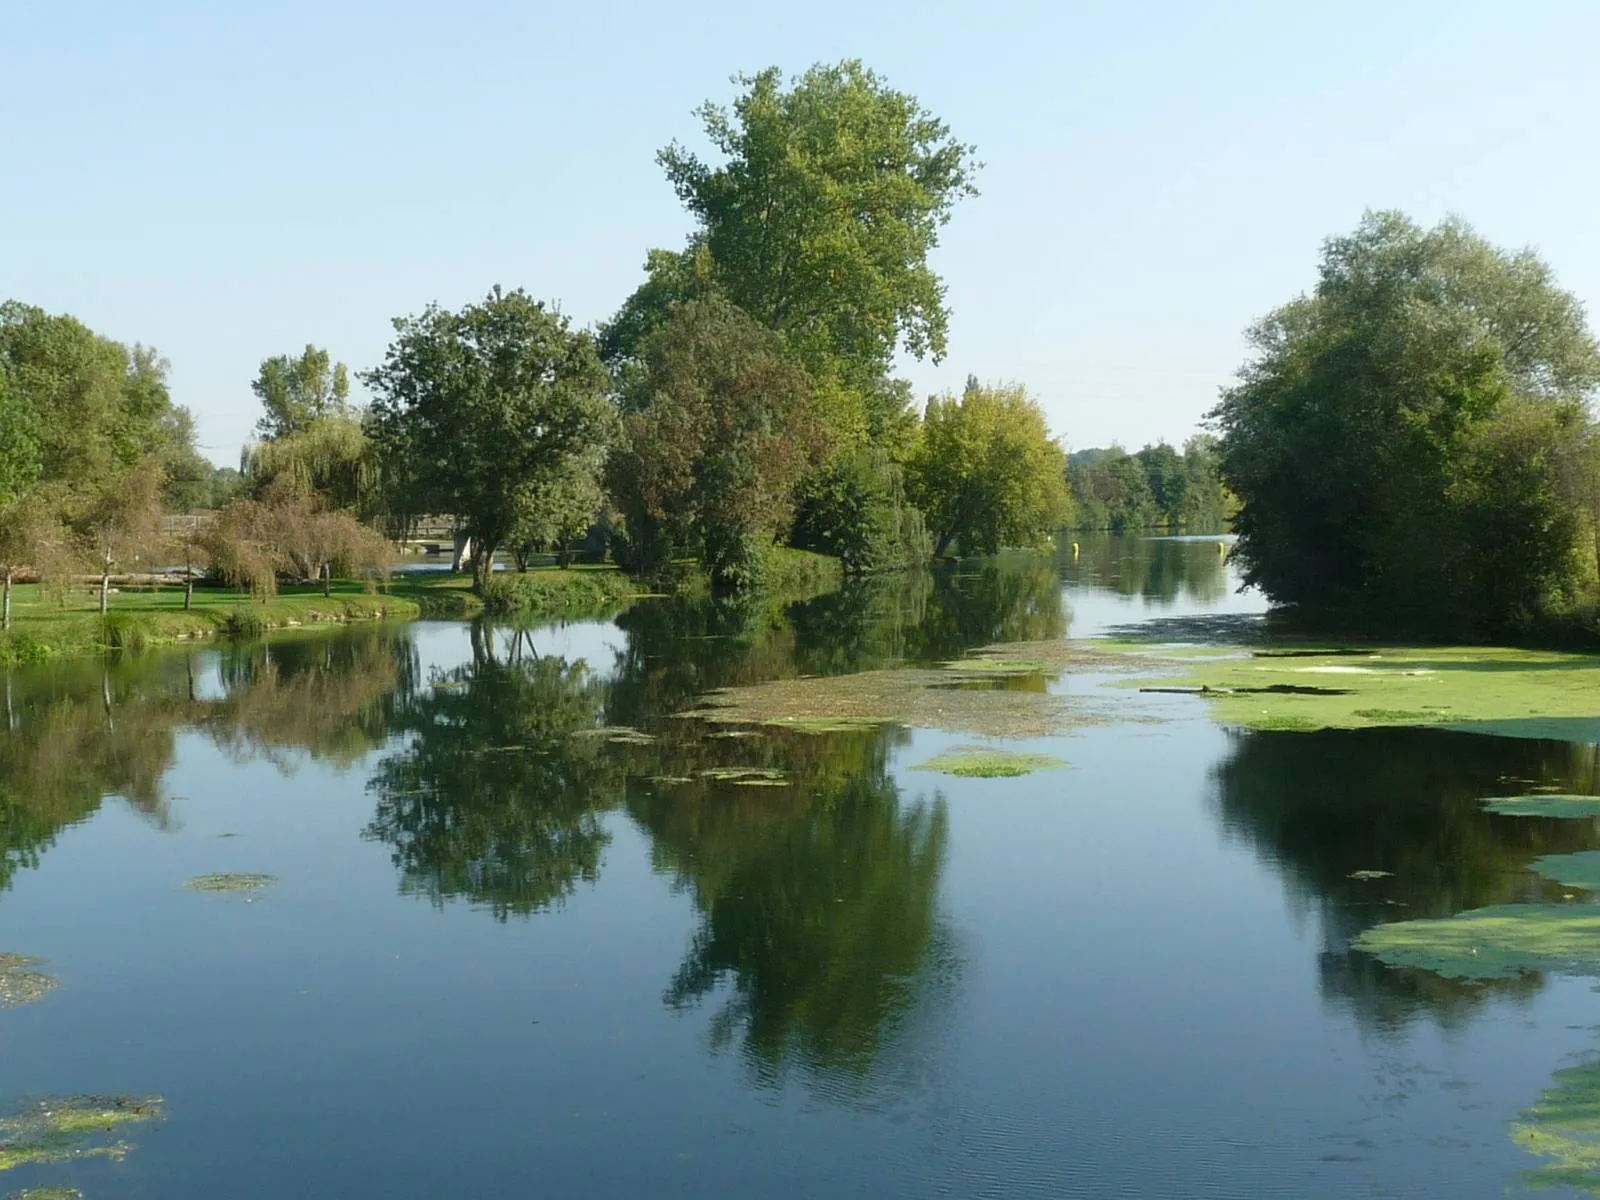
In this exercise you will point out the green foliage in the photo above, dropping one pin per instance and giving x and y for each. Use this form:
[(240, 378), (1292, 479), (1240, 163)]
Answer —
[(472, 407), (296, 392), (1158, 488), (558, 507), (1410, 444), (856, 510), (329, 455), (986, 471), (819, 220), (20, 460), (584, 591), (719, 427)]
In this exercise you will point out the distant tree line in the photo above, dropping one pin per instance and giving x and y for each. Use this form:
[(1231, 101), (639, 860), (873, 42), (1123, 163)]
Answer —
[(1157, 488)]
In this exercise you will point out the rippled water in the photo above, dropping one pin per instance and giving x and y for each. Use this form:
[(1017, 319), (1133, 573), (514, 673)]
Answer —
[(505, 956)]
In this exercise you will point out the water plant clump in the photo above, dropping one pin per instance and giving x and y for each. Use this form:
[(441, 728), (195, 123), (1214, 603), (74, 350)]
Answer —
[(1499, 942), (232, 881), (619, 735), (48, 1193), (1366, 876), (1544, 805), (1564, 1126), (20, 984), (61, 1129), (746, 776), (984, 762)]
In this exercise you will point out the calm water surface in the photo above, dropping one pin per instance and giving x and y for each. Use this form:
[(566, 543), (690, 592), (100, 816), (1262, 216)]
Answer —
[(506, 957)]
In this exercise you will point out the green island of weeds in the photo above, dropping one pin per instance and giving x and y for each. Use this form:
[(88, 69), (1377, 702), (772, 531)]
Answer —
[(1564, 1126), (1580, 870), (1478, 689), (746, 776), (20, 984), (60, 1130), (48, 1193), (985, 762), (231, 882), (1544, 805), (1500, 942)]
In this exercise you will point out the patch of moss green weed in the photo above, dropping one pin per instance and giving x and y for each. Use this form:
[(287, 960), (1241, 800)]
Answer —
[(987, 762)]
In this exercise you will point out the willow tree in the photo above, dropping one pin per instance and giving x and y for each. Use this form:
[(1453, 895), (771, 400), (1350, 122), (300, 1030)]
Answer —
[(473, 406)]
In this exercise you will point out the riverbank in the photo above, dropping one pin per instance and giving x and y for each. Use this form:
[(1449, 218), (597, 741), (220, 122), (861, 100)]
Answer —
[(46, 626)]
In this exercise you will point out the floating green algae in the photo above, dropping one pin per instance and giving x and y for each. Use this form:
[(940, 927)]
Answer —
[(229, 881), (1368, 876), (982, 762), (48, 1193), (1564, 1126), (1544, 804), (619, 735), (747, 776), (1580, 870), (1519, 693), (1499, 942), (59, 1130), (19, 983)]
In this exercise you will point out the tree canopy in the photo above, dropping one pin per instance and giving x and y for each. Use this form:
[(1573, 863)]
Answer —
[(986, 470), (1410, 443), (471, 407), (295, 391)]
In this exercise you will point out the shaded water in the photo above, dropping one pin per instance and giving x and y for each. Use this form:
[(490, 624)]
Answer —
[(506, 954)]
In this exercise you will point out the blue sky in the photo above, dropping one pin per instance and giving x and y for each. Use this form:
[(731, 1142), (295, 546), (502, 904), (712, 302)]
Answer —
[(231, 181)]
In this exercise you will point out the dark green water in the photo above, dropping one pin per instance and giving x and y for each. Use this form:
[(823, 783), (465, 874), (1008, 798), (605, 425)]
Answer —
[(505, 958)]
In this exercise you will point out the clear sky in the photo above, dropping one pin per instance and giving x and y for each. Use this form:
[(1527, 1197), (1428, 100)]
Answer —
[(229, 181)]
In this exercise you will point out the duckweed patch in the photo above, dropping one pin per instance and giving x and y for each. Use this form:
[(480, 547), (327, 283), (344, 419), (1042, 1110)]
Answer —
[(1369, 875), (1544, 804), (620, 735), (922, 698), (983, 762), (60, 1130), (1500, 942), (48, 1193), (1517, 693), (1564, 1126), (1580, 870), (229, 881), (20, 984)]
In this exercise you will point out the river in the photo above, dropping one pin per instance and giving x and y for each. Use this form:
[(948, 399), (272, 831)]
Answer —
[(523, 936)]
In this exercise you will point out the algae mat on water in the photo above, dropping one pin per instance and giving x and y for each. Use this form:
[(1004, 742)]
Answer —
[(1564, 1126), (1514, 693), (1580, 870), (19, 983), (59, 1130), (1542, 805), (986, 762), (1500, 942), (931, 697)]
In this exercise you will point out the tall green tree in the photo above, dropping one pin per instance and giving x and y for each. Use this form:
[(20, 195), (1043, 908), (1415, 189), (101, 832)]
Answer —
[(296, 390), (1408, 443), (558, 507), (471, 407), (986, 471), (719, 427)]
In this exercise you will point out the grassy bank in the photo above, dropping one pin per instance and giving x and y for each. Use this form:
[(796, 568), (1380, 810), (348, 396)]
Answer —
[(44, 627)]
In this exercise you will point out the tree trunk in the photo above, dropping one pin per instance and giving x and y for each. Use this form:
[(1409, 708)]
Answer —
[(188, 590), (482, 567), (327, 580), (942, 545), (5, 604), (105, 590), (564, 554)]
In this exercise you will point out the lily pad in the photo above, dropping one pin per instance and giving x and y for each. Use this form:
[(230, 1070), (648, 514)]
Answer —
[(980, 762), (232, 882), (1500, 942), (1564, 1126), (59, 1130), (20, 984), (1544, 804)]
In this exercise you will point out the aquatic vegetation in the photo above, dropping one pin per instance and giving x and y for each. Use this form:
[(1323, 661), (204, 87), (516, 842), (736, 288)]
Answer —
[(20, 984), (1498, 942), (1368, 876), (986, 762), (1485, 689), (229, 881), (922, 696), (619, 735), (1580, 870), (1564, 1126), (1544, 804), (48, 1193), (59, 1130), (747, 776)]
